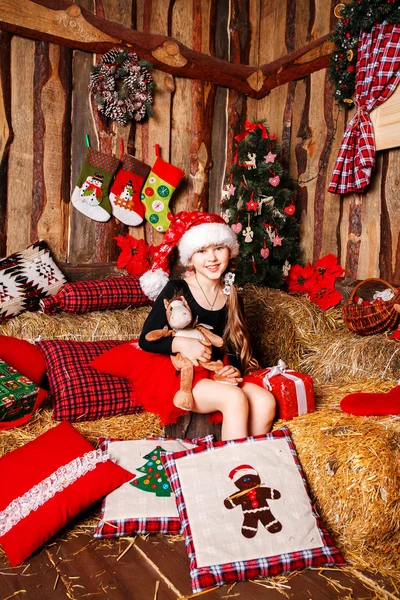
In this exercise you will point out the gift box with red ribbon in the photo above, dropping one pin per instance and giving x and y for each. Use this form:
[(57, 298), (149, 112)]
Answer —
[(293, 391)]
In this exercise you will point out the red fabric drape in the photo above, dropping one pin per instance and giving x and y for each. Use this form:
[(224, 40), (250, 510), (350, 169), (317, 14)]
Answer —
[(378, 74)]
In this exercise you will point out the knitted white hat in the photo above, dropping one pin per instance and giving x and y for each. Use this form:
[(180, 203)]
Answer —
[(191, 231)]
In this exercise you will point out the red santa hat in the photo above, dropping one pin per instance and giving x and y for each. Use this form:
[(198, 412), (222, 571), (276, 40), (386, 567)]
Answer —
[(241, 471), (190, 231)]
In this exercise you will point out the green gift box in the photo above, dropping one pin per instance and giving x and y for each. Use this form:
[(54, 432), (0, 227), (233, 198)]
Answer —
[(17, 394)]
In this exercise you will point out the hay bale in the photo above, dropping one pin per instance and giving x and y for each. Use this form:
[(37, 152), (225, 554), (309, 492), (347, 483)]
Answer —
[(99, 325), (281, 325), (307, 339), (329, 395), (353, 468), (123, 427), (343, 356)]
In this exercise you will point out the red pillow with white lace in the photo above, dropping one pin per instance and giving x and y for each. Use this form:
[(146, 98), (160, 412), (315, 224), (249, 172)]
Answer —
[(49, 481)]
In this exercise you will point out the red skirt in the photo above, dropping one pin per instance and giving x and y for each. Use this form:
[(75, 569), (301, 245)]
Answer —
[(156, 382)]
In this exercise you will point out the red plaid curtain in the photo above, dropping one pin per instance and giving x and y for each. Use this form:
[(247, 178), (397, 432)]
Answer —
[(378, 74)]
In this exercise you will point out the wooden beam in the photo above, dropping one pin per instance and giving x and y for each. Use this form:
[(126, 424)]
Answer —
[(6, 132), (65, 23), (296, 65)]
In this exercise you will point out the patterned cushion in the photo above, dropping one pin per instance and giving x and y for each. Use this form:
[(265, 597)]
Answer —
[(246, 512), (100, 294), (25, 277), (140, 505), (79, 392), (49, 481)]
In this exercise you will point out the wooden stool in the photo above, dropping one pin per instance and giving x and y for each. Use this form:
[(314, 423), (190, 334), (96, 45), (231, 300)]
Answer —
[(193, 425)]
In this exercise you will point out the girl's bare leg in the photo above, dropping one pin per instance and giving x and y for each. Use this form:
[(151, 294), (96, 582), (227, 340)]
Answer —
[(210, 396), (262, 408)]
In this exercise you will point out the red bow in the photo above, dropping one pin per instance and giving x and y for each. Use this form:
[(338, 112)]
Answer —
[(249, 128)]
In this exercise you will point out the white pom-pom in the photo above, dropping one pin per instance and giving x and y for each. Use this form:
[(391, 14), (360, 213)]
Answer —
[(153, 282)]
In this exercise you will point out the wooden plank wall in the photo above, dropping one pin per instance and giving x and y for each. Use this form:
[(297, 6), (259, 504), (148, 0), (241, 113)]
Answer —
[(45, 110), (361, 229)]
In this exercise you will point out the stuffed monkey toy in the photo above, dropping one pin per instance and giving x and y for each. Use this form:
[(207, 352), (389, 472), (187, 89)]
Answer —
[(180, 319)]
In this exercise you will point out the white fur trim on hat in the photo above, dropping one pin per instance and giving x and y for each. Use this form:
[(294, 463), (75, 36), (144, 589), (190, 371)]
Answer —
[(241, 471), (153, 282), (206, 234)]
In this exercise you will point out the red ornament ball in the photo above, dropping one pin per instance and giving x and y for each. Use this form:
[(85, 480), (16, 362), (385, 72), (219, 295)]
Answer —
[(348, 35), (351, 69)]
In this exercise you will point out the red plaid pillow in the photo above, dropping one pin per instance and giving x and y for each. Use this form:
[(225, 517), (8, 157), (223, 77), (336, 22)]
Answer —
[(98, 294), (79, 392), (245, 511)]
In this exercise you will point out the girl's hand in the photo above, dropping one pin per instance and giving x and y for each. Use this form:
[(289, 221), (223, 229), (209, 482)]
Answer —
[(195, 350), (231, 372)]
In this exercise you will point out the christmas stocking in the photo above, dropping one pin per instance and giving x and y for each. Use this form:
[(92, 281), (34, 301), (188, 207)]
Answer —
[(367, 403), (157, 191), (125, 191), (90, 195)]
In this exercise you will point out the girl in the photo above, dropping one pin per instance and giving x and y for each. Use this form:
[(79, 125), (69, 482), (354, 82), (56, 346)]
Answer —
[(206, 244)]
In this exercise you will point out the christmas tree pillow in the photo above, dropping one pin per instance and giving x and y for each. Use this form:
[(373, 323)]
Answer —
[(25, 278), (146, 503), (49, 481), (80, 393), (246, 512), (100, 294)]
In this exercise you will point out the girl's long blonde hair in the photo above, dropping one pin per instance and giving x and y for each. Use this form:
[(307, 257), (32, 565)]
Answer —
[(236, 335)]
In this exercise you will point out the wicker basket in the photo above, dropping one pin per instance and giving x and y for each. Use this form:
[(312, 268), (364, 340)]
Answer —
[(372, 318)]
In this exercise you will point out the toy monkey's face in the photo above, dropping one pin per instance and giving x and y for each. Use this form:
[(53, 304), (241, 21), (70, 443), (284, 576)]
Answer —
[(248, 481)]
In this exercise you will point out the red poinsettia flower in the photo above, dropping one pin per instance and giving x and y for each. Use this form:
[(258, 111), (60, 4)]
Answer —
[(299, 279), (134, 256), (325, 297), (327, 270)]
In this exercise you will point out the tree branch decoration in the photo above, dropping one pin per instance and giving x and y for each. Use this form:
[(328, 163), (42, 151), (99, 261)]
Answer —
[(354, 18), (122, 86)]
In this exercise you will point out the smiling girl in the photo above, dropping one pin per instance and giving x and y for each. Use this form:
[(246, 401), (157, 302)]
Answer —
[(206, 245)]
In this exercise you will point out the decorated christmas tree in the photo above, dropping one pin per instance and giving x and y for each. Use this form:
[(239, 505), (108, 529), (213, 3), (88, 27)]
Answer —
[(259, 207), (155, 480)]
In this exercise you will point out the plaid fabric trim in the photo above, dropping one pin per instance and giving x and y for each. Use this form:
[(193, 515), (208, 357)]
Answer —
[(135, 166), (378, 74), (105, 294), (126, 527), (79, 392), (107, 162), (206, 577)]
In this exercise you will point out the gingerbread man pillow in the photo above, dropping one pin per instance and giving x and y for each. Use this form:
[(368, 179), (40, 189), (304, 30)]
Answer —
[(246, 512)]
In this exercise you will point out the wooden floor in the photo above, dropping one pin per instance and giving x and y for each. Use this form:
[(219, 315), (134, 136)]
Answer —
[(157, 568)]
